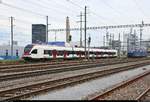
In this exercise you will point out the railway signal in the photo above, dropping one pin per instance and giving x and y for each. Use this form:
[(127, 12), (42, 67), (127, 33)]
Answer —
[(70, 38), (89, 41)]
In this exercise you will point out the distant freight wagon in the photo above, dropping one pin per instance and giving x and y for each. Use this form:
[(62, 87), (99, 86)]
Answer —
[(138, 53)]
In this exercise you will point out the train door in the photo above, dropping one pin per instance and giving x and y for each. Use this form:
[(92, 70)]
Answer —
[(80, 55), (65, 54), (54, 54), (97, 55)]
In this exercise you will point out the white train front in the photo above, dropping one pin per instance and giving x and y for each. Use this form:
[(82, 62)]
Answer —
[(38, 52)]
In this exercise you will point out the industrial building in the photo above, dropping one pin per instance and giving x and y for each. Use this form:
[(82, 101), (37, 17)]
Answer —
[(38, 33)]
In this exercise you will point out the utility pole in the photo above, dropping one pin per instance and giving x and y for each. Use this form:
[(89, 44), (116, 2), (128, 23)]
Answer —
[(113, 38), (123, 42), (85, 29), (47, 29), (81, 21), (107, 37), (110, 41), (12, 34), (141, 33), (104, 41), (135, 40), (67, 29), (119, 45), (55, 35), (81, 29)]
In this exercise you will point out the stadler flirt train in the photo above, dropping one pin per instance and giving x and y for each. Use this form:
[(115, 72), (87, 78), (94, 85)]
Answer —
[(38, 52)]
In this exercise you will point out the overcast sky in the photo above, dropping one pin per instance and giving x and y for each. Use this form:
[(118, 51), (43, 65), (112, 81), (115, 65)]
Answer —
[(100, 12)]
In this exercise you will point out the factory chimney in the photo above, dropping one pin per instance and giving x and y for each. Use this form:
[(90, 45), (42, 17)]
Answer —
[(67, 30)]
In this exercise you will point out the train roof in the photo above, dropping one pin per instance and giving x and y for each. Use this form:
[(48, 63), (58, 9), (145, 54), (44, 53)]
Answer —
[(51, 47)]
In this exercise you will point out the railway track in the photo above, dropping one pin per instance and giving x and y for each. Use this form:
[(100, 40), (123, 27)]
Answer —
[(65, 62), (25, 91), (26, 74), (145, 96), (43, 66), (132, 89), (53, 62)]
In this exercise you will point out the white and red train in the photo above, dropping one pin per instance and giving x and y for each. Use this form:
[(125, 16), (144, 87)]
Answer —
[(56, 52)]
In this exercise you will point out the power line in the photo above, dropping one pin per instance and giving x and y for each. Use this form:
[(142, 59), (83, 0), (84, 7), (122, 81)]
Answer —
[(139, 8), (75, 4), (21, 9), (23, 21), (4, 17), (52, 8), (46, 8), (116, 11), (62, 5), (59, 9), (17, 20), (98, 16)]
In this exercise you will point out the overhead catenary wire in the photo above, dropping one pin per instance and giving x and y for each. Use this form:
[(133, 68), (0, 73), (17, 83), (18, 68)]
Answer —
[(139, 8), (116, 11), (44, 7), (67, 13), (58, 3), (21, 9), (95, 14), (48, 9)]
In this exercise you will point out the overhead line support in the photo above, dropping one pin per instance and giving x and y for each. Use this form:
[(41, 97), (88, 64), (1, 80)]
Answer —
[(103, 27)]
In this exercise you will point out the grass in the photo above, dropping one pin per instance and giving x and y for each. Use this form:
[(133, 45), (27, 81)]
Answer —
[(12, 62)]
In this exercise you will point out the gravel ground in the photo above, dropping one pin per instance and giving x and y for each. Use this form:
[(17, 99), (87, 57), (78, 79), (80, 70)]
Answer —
[(31, 80), (146, 97), (124, 64), (130, 92)]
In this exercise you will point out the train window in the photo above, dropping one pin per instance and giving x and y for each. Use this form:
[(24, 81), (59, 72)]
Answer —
[(60, 53), (113, 53), (105, 52), (83, 53), (99, 53), (47, 52), (77, 53), (34, 51), (71, 52), (28, 48), (91, 52), (95, 53)]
